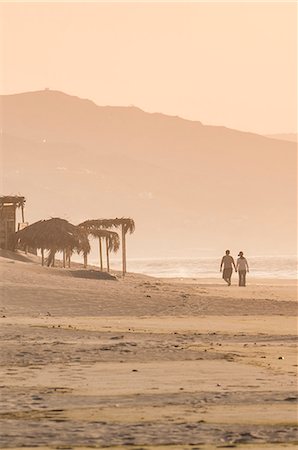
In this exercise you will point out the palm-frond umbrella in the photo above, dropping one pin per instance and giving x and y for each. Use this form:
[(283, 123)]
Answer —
[(54, 235), (127, 225), (112, 242), (111, 238)]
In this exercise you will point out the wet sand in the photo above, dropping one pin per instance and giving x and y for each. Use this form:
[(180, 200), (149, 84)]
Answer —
[(145, 363)]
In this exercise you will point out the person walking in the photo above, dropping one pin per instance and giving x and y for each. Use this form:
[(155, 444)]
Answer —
[(242, 268), (227, 264)]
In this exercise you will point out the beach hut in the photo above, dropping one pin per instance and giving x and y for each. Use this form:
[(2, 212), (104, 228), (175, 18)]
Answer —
[(54, 235), (8, 218), (127, 225)]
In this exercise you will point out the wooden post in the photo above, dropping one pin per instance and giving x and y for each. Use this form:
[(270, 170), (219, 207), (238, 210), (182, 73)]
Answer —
[(6, 234), (51, 258), (42, 257), (123, 252), (100, 254), (108, 256)]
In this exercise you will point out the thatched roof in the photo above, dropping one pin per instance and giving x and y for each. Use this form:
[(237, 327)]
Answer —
[(111, 236), (127, 223), (55, 233), (12, 199)]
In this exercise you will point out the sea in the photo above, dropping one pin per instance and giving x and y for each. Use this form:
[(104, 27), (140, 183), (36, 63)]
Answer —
[(278, 267)]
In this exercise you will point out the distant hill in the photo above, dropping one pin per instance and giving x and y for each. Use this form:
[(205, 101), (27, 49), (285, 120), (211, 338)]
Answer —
[(192, 189), (292, 137)]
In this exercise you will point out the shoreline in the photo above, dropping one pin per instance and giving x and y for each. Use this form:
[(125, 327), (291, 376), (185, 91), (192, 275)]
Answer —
[(251, 278), (251, 281), (21, 256)]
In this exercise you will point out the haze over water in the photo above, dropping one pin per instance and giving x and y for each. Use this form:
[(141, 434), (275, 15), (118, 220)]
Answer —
[(283, 267)]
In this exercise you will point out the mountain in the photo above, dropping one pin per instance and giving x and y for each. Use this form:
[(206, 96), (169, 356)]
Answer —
[(292, 137), (192, 189)]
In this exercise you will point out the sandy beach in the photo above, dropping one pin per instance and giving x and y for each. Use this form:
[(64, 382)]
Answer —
[(145, 363)]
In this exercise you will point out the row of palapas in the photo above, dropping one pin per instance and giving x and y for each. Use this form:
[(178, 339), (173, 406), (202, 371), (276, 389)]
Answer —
[(58, 235)]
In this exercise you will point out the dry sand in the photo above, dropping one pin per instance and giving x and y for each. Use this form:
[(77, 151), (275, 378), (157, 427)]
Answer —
[(145, 363)]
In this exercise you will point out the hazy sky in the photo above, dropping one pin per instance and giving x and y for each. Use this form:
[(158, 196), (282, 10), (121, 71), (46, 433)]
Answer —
[(231, 64)]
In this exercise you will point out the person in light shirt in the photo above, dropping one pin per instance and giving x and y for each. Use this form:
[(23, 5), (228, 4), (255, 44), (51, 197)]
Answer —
[(227, 264), (242, 268)]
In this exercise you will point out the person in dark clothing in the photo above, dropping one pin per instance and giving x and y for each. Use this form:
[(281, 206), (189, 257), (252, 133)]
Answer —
[(226, 267)]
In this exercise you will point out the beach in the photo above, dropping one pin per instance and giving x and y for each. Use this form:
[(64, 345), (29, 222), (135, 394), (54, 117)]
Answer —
[(144, 362)]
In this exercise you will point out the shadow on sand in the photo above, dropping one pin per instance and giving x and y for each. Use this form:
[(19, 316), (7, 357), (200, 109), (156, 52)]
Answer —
[(93, 274), (15, 256)]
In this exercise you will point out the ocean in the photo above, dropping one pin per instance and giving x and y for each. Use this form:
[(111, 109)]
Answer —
[(281, 267)]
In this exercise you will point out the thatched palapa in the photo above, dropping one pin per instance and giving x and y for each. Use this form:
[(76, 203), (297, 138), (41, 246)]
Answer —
[(111, 238), (127, 225), (54, 235)]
